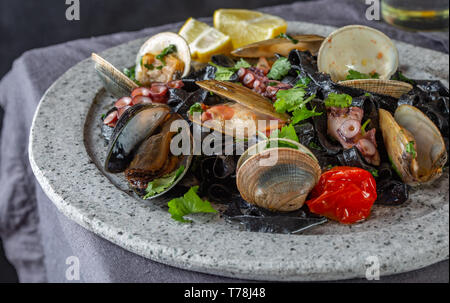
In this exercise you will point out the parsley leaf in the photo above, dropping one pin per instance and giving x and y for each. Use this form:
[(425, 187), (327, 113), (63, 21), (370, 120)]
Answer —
[(303, 113), (410, 149), (355, 75), (225, 73), (172, 48), (293, 101), (197, 107), (303, 82), (286, 132), (279, 69), (242, 63), (283, 35), (190, 203), (338, 100), (159, 185)]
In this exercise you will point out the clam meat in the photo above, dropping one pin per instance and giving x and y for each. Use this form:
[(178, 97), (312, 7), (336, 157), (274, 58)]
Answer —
[(163, 58)]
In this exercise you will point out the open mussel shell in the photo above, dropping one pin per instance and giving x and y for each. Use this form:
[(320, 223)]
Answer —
[(242, 95), (157, 43), (360, 48), (133, 127), (269, 48), (391, 88), (114, 81), (414, 144), (278, 179)]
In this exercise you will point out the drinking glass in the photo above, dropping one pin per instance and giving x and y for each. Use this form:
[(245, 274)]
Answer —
[(416, 14)]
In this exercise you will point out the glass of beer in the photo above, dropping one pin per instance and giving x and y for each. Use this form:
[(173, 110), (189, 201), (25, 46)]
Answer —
[(423, 15)]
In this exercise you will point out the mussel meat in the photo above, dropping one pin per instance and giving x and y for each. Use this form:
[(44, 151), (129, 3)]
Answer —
[(414, 144)]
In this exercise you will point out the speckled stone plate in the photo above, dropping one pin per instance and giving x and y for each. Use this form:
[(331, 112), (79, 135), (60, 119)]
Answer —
[(67, 153)]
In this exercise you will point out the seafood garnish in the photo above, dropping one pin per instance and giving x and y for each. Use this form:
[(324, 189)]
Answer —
[(344, 125)]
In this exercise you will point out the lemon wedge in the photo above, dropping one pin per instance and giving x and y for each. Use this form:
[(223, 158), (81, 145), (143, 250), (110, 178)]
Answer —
[(204, 40), (245, 26)]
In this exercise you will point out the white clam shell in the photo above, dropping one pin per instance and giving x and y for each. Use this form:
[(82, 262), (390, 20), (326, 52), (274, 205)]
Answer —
[(157, 43), (360, 48)]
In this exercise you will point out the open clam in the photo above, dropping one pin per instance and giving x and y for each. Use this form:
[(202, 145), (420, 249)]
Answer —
[(114, 81), (277, 178), (268, 48), (245, 113), (140, 146), (414, 144), (163, 58), (365, 50)]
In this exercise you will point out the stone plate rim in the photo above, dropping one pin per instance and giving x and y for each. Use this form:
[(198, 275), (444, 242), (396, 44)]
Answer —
[(74, 184)]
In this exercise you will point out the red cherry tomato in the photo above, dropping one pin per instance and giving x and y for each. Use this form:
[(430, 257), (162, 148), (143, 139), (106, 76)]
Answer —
[(344, 194)]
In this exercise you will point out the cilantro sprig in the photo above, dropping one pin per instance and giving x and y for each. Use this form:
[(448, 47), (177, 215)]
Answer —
[(190, 203), (293, 101), (279, 69)]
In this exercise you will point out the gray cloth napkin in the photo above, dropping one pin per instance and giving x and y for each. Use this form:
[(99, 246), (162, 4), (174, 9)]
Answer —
[(31, 74)]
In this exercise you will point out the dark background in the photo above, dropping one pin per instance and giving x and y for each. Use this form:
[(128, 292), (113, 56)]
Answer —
[(29, 24)]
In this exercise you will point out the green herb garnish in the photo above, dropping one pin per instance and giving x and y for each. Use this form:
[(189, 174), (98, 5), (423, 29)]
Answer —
[(293, 101), (103, 116), (286, 132), (410, 149), (303, 82), (242, 63), (167, 51), (374, 172), (272, 84), (197, 107), (313, 145), (355, 75), (279, 69), (131, 73), (368, 95), (149, 66), (190, 203), (363, 127), (225, 73), (338, 100), (159, 185), (400, 77), (286, 36)]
